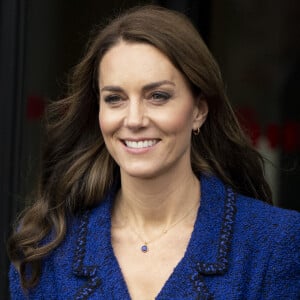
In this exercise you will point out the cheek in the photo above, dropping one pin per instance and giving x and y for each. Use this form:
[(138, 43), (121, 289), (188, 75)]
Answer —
[(107, 122), (179, 121), (102, 121), (108, 129)]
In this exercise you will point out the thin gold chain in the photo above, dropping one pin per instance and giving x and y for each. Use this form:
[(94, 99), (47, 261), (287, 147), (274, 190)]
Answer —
[(166, 230)]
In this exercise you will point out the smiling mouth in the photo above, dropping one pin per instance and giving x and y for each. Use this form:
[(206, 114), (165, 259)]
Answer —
[(140, 144)]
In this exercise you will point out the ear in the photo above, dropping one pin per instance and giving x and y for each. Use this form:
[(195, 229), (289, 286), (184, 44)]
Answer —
[(200, 112)]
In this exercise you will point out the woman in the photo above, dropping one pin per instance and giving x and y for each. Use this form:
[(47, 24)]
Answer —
[(148, 182)]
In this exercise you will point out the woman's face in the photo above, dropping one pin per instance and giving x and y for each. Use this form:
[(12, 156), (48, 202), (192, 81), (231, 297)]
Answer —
[(147, 111)]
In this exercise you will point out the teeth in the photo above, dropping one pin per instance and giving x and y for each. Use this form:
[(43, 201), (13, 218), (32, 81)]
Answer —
[(140, 144)]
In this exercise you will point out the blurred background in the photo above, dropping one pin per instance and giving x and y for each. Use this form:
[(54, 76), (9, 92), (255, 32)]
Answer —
[(256, 43)]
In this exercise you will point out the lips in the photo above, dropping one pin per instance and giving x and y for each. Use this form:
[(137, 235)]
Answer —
[(140, 144)]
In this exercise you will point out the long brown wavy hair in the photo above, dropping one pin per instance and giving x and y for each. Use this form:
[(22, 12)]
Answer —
[(77, 169)]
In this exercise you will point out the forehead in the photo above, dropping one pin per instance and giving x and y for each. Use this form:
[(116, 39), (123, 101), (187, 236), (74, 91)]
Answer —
[(138, 61)]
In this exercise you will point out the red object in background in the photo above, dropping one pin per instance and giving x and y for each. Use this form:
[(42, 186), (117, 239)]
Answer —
[(248, 120), (35, 107), (291, 136), (286, 137), (273, 135)]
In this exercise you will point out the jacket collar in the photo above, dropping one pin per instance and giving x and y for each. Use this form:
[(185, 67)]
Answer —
[(207, 252), (210, 244), (216, 216)]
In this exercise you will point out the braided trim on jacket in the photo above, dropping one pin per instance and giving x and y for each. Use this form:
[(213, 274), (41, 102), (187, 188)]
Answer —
[(221, 265), (89, 271), (200, 287)]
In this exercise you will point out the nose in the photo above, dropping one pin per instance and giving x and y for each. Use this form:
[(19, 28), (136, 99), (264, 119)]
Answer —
[(135, 114)]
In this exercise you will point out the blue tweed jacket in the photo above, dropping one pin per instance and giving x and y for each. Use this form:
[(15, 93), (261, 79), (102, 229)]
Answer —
[(240, 248)]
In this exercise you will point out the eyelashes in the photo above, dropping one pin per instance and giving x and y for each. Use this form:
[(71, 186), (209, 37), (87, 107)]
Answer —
[(112, 99), (160, 96), (157, 97)]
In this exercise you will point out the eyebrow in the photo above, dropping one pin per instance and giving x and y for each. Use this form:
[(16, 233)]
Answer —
[(147, 87)]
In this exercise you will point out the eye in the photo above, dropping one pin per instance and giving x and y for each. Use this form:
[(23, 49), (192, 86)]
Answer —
[(160, 96), (112, 99)]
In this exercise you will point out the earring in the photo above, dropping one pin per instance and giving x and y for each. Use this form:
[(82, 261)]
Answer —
[(197, 131)]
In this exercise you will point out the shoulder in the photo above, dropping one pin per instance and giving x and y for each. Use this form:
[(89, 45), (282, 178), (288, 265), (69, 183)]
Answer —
[(275, 235), (269, 237), (254, 222), (258, 215), (267, 229)]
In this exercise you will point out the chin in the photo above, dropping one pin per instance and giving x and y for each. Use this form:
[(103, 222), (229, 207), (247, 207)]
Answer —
[(141, 173)]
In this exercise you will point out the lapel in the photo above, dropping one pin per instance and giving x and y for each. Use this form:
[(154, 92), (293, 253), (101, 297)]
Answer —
[(93, 258), (81, 266), (209, 248), (207, 253)]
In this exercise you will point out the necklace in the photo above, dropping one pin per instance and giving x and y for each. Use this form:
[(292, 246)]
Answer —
[(145, 244)]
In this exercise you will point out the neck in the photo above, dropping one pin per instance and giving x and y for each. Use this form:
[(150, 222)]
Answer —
[(157, 202)]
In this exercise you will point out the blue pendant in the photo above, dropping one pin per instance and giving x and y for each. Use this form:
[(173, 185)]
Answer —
[(144, 248)]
